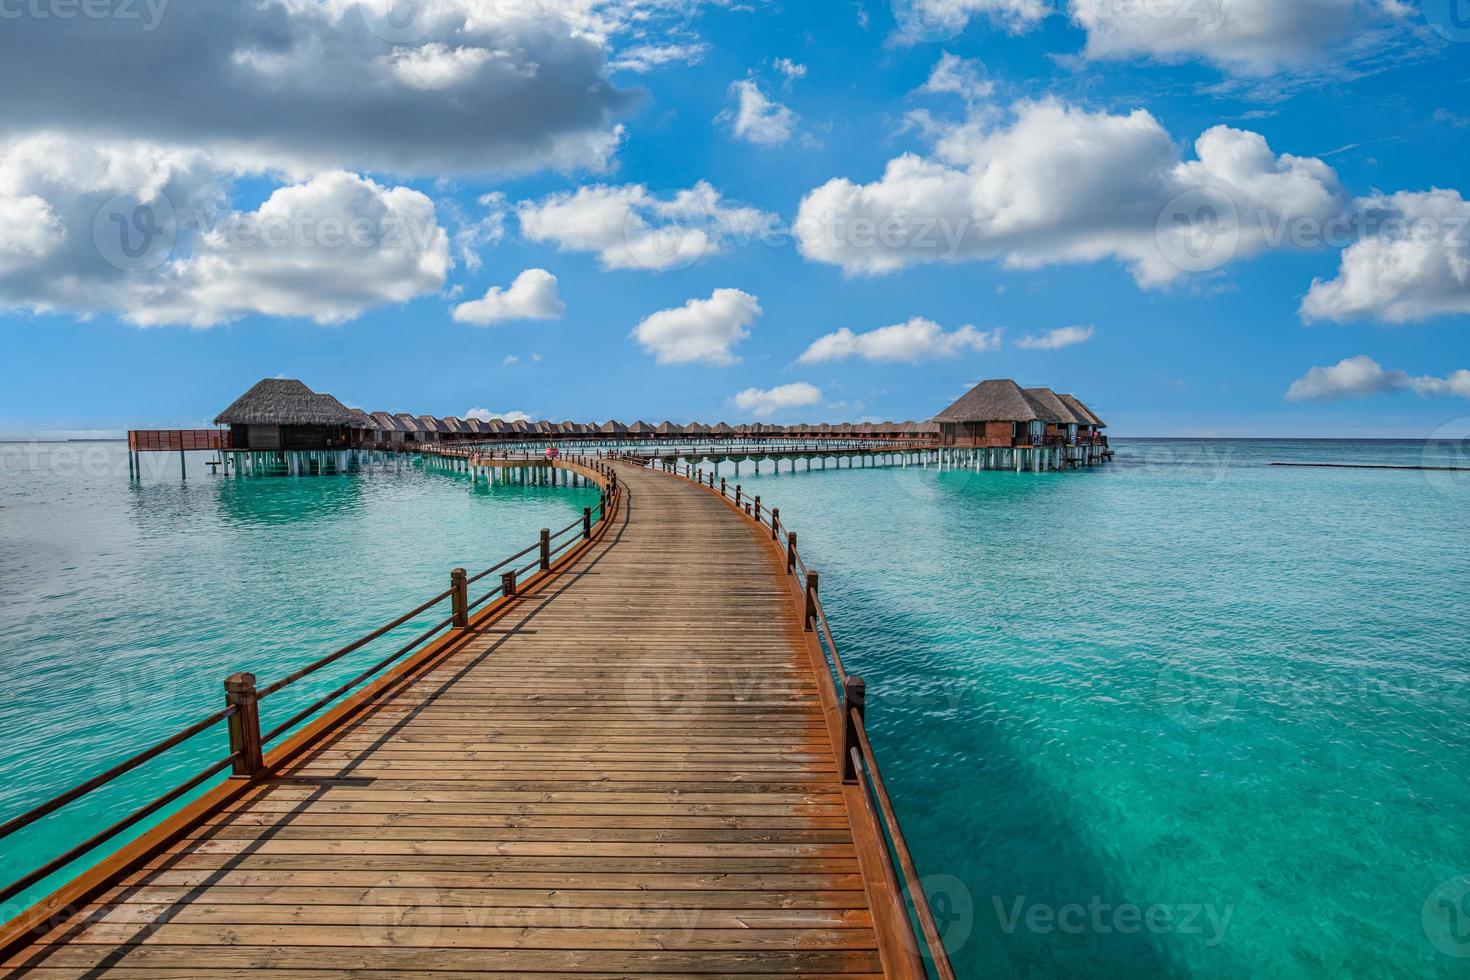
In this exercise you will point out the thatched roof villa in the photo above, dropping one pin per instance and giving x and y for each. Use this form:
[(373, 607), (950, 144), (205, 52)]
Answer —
[(1001, 414), (279, 413)]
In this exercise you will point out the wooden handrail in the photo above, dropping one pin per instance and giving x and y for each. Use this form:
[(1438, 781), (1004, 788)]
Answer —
[(251, 738)]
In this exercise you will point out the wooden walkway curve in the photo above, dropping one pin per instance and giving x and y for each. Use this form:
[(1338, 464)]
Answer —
[(629, 770)]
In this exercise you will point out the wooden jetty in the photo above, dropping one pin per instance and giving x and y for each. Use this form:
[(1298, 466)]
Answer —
[(638, 754)]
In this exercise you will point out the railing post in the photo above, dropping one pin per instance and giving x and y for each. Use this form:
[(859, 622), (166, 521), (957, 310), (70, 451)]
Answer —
[(757, 508), (586, 522), (722, 486), (811, 601), (244, 725), (508, 583), (775, 523), (790, 552), (459, 598), (545, 549), (737, 495), (854, 698)]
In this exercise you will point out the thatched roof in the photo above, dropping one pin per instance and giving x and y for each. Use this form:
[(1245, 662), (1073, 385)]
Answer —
[(612, 427), (640, 428), (998, 400), (283, 401), (409, 422), (454, 425), (387, 422), (475, 427), (430, 424), (696, 428), (721, 428), (1048, 398), (363, 420), (1083, 411)]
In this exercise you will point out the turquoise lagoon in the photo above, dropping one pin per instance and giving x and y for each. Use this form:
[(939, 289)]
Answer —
[(1187, 715)]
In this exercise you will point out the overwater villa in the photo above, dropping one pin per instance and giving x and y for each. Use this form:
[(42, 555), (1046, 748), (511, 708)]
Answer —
[(281, 414), (999, 425)]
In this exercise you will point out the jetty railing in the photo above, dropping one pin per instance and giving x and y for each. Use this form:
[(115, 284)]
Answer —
[(859, 764), (242, 711)]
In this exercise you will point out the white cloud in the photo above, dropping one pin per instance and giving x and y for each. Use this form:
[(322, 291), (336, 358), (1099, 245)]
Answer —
[(1057, 339), (1361, 376), (1246, 36), (533, 296), (645, 58), (953, 75), (485, 415), (147, 232), (630, 228), (1051, 183), (1412, 263), (908, 343), (926, 20), (459, 86), (790, 70), (471, 236), (509, 360), (763, 403), (436, 67), (758, 119), (701, 331), (1249, 36)]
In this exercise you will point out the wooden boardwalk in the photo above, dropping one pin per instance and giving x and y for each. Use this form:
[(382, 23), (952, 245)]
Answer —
[(629, 770)]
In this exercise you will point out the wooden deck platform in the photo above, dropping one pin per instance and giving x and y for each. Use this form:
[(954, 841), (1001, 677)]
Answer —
[(631, 769)]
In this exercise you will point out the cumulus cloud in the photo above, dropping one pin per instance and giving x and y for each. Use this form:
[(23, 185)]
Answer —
[(702, 331), (149, 233), (763, 403), (1411, 263), (628, 227), (460, 86), (485, 415), (758, 119), (908, 343), (1361, 376), (533, 296), (1052, 183), (644, 58), (1056, 339), (1249, 36)]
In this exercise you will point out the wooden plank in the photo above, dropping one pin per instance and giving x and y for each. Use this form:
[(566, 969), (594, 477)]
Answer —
[(584, 784)]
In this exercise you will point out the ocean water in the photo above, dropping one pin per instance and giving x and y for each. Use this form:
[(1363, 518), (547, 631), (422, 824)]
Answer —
[(1186, 715), (124, 605)]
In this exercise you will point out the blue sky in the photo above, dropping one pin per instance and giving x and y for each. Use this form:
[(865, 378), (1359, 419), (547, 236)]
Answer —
[(1056, 141)]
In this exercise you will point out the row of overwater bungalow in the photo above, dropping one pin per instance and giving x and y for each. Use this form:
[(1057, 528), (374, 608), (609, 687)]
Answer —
[(280, 414)]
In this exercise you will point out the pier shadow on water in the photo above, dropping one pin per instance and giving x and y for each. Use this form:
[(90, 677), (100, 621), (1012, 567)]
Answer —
[(1018, 884)]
